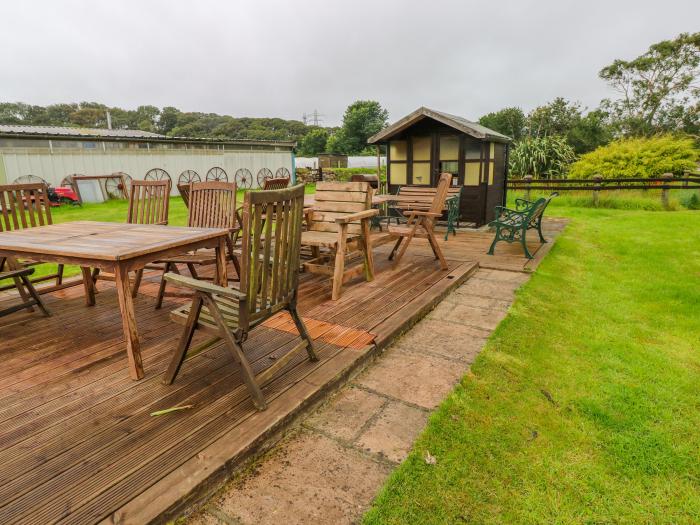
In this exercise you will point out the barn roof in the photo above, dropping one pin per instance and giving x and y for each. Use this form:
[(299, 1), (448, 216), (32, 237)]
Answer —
[(459, 123), (17, 129)]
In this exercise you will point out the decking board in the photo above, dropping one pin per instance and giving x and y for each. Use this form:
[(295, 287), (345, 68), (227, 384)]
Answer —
[(78, 443)]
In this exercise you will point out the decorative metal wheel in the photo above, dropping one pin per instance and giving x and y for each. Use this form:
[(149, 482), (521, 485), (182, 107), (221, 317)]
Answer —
[(263, 175), (243, 178), (282, 173), (29, 179), (217, 173), (157, 174), (68, 180), (118, 186), (188, 177)]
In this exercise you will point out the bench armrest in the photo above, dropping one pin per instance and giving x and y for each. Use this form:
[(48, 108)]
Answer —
[(366, 214), (203, 286), (522, 204)]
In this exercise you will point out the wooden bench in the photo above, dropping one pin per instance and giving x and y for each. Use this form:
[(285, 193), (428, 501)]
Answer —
[(512, 225), (420, 198)]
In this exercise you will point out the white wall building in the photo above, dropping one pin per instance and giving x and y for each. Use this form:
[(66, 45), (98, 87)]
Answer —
[(52, 153)]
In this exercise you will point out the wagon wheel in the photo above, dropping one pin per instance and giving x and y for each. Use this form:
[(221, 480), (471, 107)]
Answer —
[(29, 179), (188, 177), (118, 186), (263, 175), (282, 173), (157, 174), (217, 173), (243, 178), (68, 180)]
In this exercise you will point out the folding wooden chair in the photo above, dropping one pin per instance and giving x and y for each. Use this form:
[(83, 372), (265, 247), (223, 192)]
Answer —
[(26, 290), (211, 205), (421, 224), (27, 206), (268, 284)]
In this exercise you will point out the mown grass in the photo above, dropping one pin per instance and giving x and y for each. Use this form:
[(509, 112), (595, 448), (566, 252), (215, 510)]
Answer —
[(584, 405)]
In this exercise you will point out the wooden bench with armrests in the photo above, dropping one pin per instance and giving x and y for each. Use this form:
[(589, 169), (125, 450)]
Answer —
[(339, 223)]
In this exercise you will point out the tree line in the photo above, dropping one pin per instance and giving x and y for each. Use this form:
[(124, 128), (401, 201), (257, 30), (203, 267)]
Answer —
[(362, 119)]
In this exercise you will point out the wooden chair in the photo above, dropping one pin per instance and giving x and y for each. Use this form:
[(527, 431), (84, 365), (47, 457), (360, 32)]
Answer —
[(149, 201), (340, 223), (184, 190), (277, 183), (27, 206), (212, 204), (269, 281), (26, 291), (421, 224)]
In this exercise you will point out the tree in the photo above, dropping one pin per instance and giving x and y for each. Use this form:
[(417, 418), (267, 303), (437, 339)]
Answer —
[(314, 142), (336, 143), (509, 121), (541, 157), (658, 88), (362, 119), (556, 118)]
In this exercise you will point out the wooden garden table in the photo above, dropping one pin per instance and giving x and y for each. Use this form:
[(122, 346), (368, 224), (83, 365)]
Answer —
[(115, 248)]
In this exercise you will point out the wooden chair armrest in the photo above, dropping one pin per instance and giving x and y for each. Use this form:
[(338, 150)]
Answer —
[(16, 273), (366, 214), (203, 286)]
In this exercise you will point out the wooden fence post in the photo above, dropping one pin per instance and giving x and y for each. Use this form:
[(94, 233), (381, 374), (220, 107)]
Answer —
[(664, 191), (596, 189), (528, 182)]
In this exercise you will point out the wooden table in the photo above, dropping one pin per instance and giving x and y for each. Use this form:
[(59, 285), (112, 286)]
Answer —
[(115, 248)]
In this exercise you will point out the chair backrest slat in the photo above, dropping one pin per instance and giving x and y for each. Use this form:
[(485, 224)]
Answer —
[(149, 202), (336, 199), (272, 223), (24, 206), (212, 205), (277, 183)]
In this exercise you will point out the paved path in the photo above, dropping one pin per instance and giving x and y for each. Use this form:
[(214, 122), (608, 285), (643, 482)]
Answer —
[(329, 469)]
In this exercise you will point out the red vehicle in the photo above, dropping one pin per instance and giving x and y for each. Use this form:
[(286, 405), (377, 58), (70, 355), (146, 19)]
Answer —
[(63, 195)]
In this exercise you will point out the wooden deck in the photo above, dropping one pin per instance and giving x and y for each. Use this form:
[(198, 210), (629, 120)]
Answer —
[(78, 443)]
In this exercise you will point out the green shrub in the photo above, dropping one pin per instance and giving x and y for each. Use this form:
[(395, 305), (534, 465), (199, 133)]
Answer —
[(639, 157), (541, 157)]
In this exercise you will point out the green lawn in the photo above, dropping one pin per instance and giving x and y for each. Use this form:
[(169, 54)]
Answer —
[(585, 405)]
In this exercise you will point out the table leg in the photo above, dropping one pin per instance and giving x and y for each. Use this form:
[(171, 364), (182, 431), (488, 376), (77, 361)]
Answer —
[(221, 276), (12, 264), (131, 335), (89, 285)]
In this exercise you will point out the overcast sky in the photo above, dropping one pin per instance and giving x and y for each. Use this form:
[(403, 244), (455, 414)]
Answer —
[(283, 58)]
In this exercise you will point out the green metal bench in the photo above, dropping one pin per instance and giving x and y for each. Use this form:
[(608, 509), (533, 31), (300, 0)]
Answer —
[(512, 225)]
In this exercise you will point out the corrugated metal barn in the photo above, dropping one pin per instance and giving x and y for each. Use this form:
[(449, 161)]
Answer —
[(52, 153)]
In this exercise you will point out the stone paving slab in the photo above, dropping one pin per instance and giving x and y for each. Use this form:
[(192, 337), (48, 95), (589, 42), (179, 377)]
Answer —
[(392, 433), (330, 471), (310, 479)]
